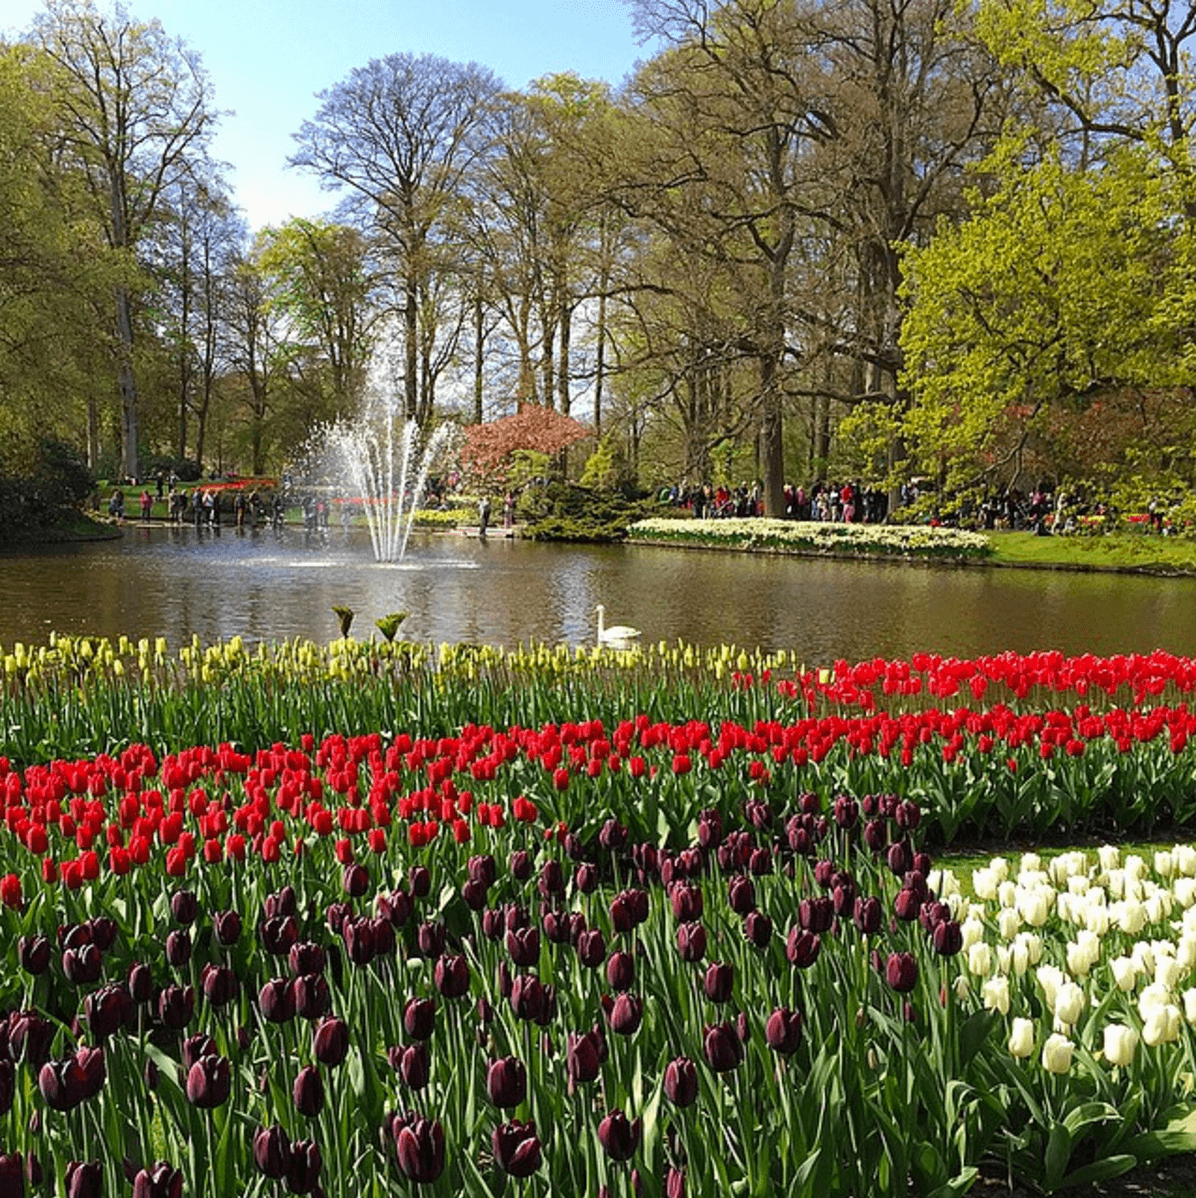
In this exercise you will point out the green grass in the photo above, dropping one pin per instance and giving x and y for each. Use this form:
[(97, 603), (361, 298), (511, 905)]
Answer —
[(1102, 552)]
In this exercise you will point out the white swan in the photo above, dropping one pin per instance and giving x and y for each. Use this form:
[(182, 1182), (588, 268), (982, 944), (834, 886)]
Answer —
[(618, 636)]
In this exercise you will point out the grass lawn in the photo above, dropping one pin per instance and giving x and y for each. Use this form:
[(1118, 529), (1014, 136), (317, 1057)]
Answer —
[(1105, 551)]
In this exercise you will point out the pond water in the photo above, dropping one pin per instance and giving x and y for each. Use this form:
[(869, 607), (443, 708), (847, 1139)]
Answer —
[(169, 581)]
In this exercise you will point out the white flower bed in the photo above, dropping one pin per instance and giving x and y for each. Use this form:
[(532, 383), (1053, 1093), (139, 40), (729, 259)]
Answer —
[(919, 540)]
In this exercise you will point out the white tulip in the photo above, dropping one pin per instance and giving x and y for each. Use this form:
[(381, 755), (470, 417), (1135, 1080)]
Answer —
[(1033, 945), (1189, 997), (1009, 923), (1021, 1038), (1050, 978), (972, 930), (1120, 1044), (980, 961), (1109, 856), (1164, 864), (1056, 1053), (1069, 1003), (1162, 1027), (1125, 973), (1007, 894), (1131, 916), (1184, 889), (1152, 999), (1168, 972), (995, 994), (1185, 859)]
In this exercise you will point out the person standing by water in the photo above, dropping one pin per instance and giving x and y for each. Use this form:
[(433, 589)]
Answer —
[(508, 510), (147, 504), (483, 515)]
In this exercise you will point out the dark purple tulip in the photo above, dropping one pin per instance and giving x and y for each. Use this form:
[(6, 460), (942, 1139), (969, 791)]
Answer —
[(876, 835), (815, 914), (691, 941), (802, 948), (355, 881), (158, 1181), (385, 941), (308, 1091), (276, 1000), (520, 865), (782, 1032), (620, 971), (948, 938), (585, 878), (219, 984), (506, 1082), (626, 1014), (103, 932), (722, 1047), (846, 811), (12, 1174), (681, 1081), (494, 923), (581, 1058), (759, 813), (686, 901), (523, 945), (412, 1063), (83, 1180), (908, 815), (430, 937), (552, 879), (760, 861), (33, 952), (591, 948), (619, 1136), (674, 1183), (312, 996), (227, 927), (923, 863), (868, 915), (74, 935), (33, 1169), (906, 905), (483, 869), (209, 1081), (899, 858), (473, 894), (558, 927), (279, 932), (718, 981), (330, 1041), (306, 957), (303, 1170), (710, 829), (61, 1083), (741, 894), (107, 1010), (419, 1018), (757, 929), (613, 835), (197, 1047), (184, 906), (272, 1151), (622, 913), (358, 935), (282, 902), (30, 1035), (931, 914), (901, 970), (82, 965), (178, 947), (516, 1148), (419, 1143), (395, 906), (419, 881), (176, 1005), (336, 915), (527, 997), (451, 976)]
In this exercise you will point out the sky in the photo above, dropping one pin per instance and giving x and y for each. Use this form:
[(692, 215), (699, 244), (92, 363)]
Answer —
[(267, 59)]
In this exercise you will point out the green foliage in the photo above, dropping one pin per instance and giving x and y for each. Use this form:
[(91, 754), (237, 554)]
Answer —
[(569, 512)]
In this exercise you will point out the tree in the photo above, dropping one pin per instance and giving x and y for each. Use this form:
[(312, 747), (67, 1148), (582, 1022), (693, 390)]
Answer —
[(400, 135), (133, 117), (488, 448)]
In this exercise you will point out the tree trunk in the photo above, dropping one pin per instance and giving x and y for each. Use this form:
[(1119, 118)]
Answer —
[(411, 347), (127, 384), (478, 338)]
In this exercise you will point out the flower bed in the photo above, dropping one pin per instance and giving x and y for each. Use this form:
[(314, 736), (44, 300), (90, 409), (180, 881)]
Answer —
[(362, 965), (808, 536)]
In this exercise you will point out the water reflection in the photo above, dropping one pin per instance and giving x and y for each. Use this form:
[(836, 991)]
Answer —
[(175, 581)]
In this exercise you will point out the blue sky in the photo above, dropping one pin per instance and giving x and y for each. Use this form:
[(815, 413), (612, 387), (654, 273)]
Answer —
[(267, 59)]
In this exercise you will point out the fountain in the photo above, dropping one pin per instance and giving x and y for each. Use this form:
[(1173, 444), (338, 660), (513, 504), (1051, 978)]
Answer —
[(378, 454)]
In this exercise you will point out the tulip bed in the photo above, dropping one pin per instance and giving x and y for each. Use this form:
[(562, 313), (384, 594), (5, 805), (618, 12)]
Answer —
[(642, 953)]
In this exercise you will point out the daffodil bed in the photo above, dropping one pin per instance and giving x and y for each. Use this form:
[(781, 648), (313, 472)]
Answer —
[(485, 921)]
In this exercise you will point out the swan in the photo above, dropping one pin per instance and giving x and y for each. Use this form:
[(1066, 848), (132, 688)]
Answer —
[(618, 636)]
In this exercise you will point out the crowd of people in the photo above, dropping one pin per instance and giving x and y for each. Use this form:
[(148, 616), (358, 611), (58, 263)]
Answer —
[(837, 502)]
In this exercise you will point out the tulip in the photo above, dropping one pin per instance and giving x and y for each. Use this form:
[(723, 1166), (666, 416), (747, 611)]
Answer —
[(681, 1082), (107, 1010), (528, 999), (782, 1032), (452, 976), (178, 947), (33, 952), (691, 941), (355, 880), (184, 906), (591, 948), (419, 1018), (358, 935), (506, 1082), (208, 1082), (1021, 1038), (619, 1136), (1070, 1001), (483, 869), (717, 982), (948, 938), (419, 1143), (516, 1148), (867, 915), (1057, 1053), (757, 929), (272, 1151), (303, 1169), (197, 1047), (12, 1174), (158, 1181), (276, 1000), (620, 971), (176, 1005), (82, 965), (278, 933), (330, 1042), (312, 997), (396, 907), (552, 879), (741, 894), (1120, 1044), (307, 1093), (306, 957), (494, 923), (412, 1063), (722, 1046), (84, 1179), (802, 948), (520, 865), (901, 970), (219, 984), (227, 927), (686, 902), (29, 1037), (282, 902), (585, 878), (523, 944), (430, 939), (581, 1059), (626, 1014)]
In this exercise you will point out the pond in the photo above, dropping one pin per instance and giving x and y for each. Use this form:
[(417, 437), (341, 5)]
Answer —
[(161, 580)]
